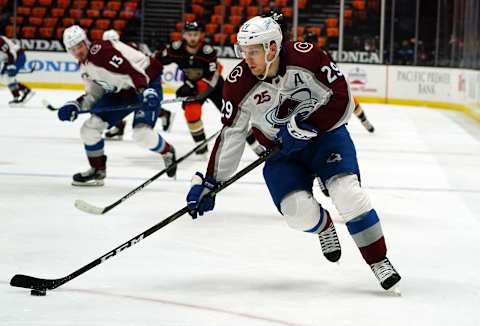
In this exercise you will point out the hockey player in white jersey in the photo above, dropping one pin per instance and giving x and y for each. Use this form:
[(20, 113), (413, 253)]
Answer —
[(293, 94), (12, 59), (116, 132), (115, 75)]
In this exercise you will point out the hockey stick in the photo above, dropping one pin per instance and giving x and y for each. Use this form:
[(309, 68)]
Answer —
[(92, 209), (49, 106), (41, 284), (28, 71), (114, 108), (128, 107)]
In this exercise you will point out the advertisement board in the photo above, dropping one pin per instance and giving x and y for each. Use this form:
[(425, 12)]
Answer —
[(368, 82), (435, 87)]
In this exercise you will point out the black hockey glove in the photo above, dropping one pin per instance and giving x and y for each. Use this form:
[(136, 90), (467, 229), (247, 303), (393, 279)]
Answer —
[(187, 89)]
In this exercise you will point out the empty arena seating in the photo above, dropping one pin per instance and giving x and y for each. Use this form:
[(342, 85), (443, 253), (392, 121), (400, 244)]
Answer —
[(222, 20), (48, 18)]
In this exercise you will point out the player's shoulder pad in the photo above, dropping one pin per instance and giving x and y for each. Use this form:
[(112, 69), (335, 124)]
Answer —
[(239, 82), (304, 54)]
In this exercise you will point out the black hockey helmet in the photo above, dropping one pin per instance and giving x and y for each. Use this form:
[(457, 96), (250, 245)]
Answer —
[(311, 37), (276, 15), (192, 26)]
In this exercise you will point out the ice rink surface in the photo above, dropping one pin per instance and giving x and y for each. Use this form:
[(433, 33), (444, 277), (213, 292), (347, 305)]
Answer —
[(241, 264)]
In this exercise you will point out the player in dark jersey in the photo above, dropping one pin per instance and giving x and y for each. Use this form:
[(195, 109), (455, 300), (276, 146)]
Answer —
[(115, 75), (12, 59), (293, 94), (202, 79)]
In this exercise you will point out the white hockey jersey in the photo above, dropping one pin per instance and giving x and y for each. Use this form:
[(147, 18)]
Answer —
[(8, 51), (308, 83), (113, 67)]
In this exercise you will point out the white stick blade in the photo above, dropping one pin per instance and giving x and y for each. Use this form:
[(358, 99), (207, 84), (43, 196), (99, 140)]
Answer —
[(88, 208)]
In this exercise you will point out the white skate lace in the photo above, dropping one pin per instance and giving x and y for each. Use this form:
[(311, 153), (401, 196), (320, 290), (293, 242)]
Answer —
[(329, 240), (383, 269)]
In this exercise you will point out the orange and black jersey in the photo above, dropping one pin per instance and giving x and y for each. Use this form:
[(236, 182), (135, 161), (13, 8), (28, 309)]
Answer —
[(202, 65)]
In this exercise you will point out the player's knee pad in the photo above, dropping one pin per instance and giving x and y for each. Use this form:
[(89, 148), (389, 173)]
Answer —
[(193, 111), (348, 197), (92, 130), (301, 210), (145, 136)]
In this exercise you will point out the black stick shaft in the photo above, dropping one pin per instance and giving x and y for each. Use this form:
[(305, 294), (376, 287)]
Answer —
[(128, 107), (156, 176), (30, 282)]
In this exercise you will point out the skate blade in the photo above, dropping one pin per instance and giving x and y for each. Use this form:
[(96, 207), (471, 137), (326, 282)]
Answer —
[(95, 183), (16, 105), (395, 290)]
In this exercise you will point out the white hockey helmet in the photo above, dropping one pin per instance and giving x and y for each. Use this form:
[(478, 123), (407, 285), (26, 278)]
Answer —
[(111, 35), (259, 30), (73, 35)]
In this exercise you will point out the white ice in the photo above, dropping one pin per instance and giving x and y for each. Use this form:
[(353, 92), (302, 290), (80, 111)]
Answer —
[(240, 264)]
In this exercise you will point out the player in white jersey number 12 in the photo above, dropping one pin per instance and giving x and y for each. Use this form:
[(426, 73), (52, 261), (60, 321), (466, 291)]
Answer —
[(292, 93)]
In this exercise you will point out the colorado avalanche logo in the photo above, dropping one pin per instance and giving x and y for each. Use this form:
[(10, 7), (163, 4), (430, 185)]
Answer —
[(95, 48), (303, 47), (235, 74), (299, 102)]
